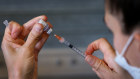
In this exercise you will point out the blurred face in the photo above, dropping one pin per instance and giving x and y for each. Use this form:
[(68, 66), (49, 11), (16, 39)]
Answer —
[(114, 24)]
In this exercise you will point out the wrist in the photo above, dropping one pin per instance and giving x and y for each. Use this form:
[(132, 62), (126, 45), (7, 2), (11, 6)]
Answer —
[(15, 75)]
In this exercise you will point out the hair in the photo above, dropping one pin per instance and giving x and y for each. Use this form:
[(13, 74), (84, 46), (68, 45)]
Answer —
[(130, 10)]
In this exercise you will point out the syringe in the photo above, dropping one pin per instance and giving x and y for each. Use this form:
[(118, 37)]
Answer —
[(62, 40)]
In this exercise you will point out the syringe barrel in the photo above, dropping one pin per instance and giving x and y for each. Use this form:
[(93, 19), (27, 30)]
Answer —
[(78, 51), (73, 48)]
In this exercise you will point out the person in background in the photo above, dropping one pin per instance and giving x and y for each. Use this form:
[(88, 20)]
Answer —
[(121, 17)]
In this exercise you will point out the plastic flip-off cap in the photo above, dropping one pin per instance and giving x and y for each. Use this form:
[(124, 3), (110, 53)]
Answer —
[(6, 23), (46, 26)]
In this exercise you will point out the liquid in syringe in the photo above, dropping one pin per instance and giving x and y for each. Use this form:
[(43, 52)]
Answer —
[(62, 40)]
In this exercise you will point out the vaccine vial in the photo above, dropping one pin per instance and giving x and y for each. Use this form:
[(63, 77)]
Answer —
[(46, 26)]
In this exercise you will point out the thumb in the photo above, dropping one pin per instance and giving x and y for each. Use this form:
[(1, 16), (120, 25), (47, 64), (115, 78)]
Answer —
[(34, 35), (98, 65)]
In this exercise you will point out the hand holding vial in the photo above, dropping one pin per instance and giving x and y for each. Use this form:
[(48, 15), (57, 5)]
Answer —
[(21, 55)]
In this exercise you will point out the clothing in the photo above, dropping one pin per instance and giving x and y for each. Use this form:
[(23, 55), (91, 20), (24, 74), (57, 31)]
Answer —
[(120, 60)]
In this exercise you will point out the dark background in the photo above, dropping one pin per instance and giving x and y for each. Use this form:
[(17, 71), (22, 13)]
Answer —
[(79, 21)]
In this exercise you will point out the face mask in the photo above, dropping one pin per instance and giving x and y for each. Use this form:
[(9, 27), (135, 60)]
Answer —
[(120, 60)]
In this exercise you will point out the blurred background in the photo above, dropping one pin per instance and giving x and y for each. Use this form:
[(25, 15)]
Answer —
[(79, 21)]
